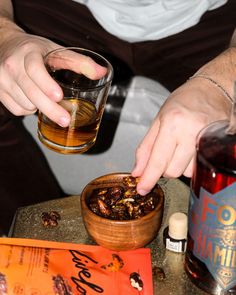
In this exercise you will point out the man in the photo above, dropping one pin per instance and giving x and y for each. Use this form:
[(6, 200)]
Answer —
[(169, 146)]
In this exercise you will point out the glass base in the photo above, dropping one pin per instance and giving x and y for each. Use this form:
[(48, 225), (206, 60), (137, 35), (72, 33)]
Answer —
[(65, 149)]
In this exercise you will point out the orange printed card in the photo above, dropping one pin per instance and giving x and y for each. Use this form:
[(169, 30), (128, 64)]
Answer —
[(35, 267)]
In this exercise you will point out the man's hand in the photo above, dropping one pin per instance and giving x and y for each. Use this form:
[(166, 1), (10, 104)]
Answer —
[(25, 84), (169, 146)]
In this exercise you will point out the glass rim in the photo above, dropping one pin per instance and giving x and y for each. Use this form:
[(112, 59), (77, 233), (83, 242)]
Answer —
[(83, 89), (208, 126)]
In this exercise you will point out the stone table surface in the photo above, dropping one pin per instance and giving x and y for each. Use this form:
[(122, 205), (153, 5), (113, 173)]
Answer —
[(28, 224)]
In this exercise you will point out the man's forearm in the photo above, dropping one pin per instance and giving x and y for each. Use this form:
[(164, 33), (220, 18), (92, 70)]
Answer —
[(222, 69), (6, 9), (7, 25)]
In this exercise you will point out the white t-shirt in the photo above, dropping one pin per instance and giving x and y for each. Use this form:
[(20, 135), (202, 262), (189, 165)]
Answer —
[(143, 20)]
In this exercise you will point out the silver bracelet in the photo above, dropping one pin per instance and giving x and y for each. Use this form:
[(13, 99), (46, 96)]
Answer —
[(226, 94)]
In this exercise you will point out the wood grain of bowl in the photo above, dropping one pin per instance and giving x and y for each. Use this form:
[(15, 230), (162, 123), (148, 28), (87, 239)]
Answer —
[(120, 235)]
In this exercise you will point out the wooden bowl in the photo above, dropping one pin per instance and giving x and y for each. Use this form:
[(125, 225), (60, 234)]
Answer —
[(120, 235)]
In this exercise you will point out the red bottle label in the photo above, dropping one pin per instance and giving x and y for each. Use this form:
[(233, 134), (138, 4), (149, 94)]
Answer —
[(212, 226)]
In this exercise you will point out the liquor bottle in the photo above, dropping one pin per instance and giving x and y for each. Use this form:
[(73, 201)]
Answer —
[(210, 259)]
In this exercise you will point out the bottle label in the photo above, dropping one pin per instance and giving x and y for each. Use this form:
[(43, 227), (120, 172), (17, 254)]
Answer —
[(176, 246), (212, 226)]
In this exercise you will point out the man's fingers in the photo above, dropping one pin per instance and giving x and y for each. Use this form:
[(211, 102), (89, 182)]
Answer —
[(182, 157), (189, 170), (145, 148), (47, 106), (160, 157), (78, 63), (15, 92), (12, 106), (37, 72)]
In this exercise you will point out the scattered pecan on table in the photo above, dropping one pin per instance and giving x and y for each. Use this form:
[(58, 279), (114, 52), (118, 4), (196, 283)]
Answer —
[(159, 273), (50, 219)]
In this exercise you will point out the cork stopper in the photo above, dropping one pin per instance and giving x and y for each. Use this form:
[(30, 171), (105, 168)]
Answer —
[(178, 226)]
